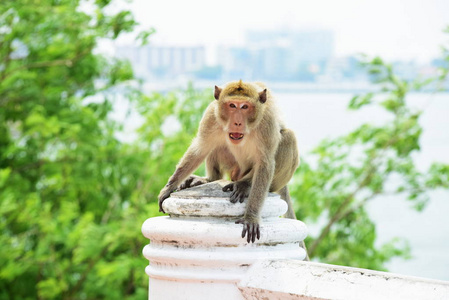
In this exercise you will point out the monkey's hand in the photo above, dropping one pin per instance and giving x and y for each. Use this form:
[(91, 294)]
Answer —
[(240, 190), (164, 194), (250, 228), (192, 181)]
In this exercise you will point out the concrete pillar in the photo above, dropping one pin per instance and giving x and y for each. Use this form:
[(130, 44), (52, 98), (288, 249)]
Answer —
[(197, 252)]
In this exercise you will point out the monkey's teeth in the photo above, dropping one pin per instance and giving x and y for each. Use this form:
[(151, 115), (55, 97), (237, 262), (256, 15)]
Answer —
[(236, 135)]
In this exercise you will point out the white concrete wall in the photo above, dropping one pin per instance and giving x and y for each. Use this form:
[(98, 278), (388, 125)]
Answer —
[(291, 279)]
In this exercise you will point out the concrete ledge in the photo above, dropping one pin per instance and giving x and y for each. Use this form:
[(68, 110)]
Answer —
[(293, 279), (209, 201)]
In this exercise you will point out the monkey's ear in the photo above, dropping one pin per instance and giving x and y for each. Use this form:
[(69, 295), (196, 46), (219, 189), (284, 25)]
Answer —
[(263, 96), (217, 92)]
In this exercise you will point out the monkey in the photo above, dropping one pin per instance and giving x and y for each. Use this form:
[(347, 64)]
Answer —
[(242, 136)]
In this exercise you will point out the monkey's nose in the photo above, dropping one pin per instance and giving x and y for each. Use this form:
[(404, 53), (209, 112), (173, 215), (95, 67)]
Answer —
[(238, 124)]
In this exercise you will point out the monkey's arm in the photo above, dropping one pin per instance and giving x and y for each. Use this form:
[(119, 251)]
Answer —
[(191, 160), (216, 159), (263, 175)]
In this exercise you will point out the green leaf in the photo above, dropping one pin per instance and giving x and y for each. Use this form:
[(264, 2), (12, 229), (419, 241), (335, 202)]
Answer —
[(359, 101), (50, 288), (143, 36)]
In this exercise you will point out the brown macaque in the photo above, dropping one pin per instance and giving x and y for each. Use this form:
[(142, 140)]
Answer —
[(241, 135)]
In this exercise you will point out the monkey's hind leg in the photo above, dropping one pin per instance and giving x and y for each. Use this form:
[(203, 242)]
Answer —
[(290, 214), (285, 195)]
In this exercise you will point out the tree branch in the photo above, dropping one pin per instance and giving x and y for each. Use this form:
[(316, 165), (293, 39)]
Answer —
[(46, 64), (41, 64), (340, 213), (83, 278)]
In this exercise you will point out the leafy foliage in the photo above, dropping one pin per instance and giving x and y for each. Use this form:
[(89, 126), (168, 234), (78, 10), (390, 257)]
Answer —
[(73, 196), (349, 171)]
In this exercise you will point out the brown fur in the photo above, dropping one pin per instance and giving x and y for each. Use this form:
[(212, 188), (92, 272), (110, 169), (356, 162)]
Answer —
[(263, 160)]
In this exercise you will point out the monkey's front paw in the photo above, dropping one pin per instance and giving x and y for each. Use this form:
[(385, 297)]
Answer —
[(240, 190), (164, 194), (192, 181), (250, 228)]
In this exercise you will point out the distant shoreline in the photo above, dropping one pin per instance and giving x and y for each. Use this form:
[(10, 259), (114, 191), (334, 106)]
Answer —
[(277, 87)]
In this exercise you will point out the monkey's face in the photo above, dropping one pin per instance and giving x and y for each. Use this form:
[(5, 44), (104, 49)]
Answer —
[(237, 115)]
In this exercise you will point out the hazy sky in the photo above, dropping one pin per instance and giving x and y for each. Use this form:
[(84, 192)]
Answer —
[(394, 29)]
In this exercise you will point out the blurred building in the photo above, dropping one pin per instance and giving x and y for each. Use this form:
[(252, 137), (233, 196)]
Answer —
[(273, 56), (161, 62), (279, 55), (346, 68)]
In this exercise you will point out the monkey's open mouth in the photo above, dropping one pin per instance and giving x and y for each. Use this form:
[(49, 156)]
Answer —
[(235, 136)]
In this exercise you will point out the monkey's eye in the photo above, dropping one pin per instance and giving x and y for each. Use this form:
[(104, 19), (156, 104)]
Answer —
[(245, 106), (232, 105)]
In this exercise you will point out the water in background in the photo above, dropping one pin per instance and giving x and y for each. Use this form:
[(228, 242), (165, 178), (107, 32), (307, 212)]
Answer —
[(316, 116)]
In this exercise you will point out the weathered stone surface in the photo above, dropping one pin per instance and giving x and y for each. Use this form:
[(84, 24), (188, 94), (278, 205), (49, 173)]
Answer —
[(208, 200), (209, 190)]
